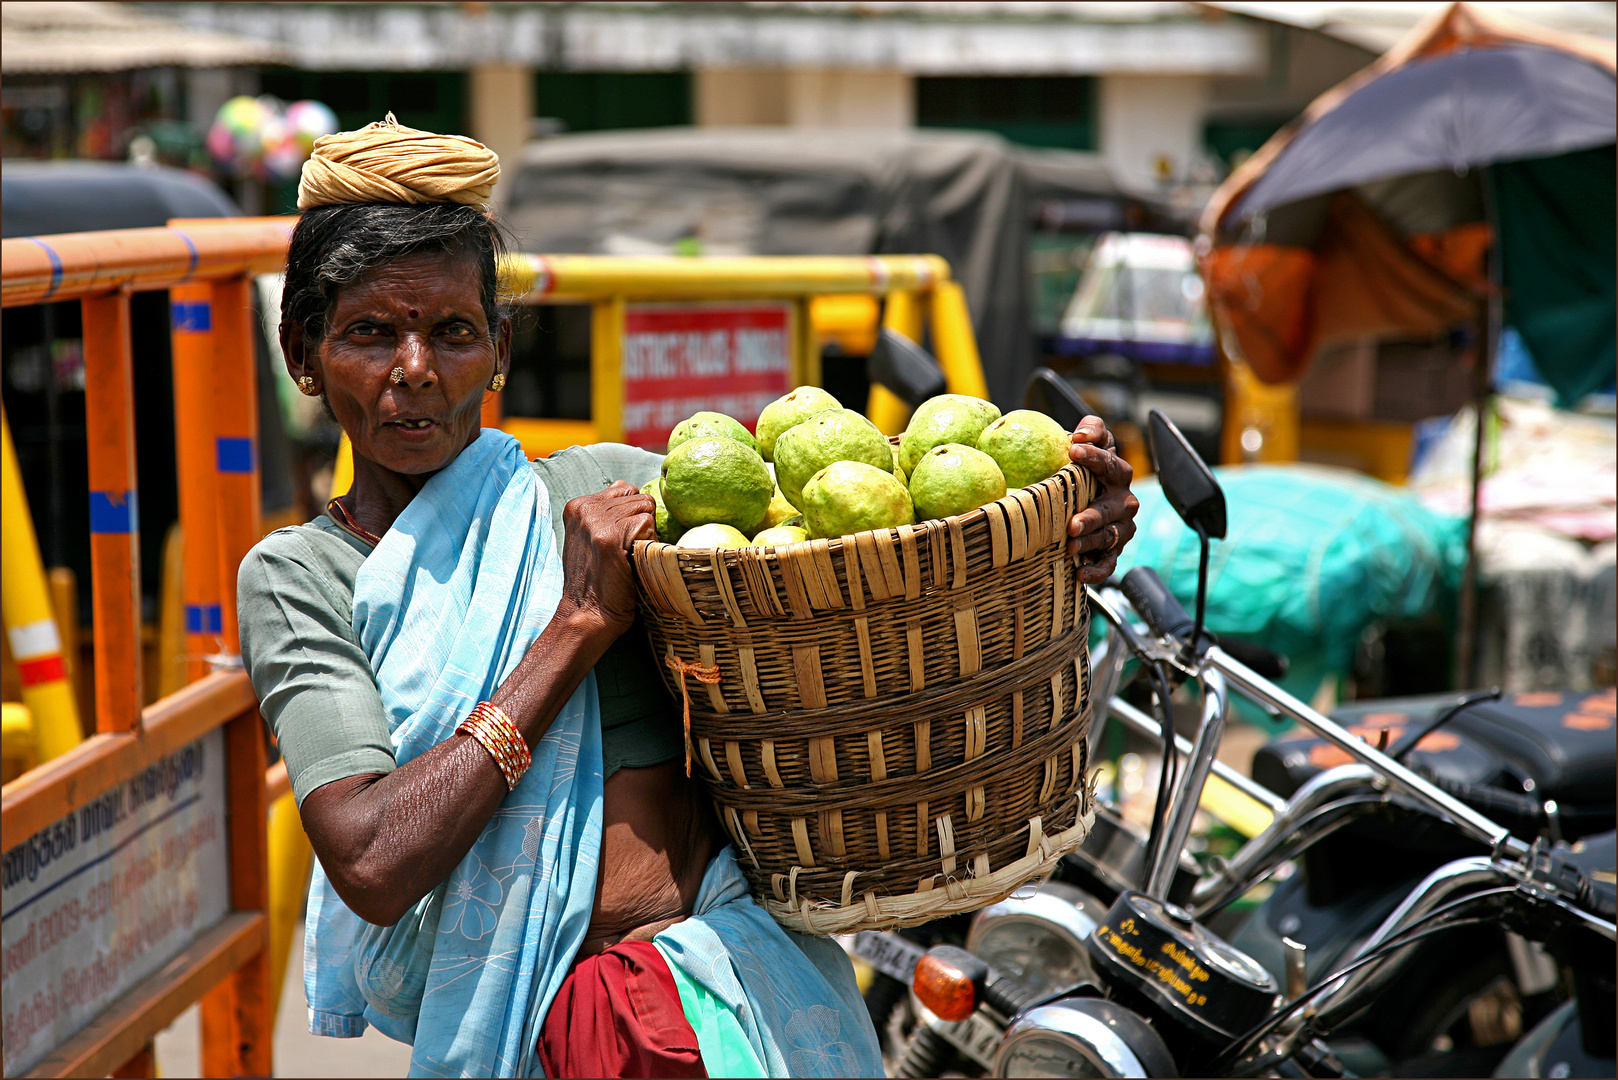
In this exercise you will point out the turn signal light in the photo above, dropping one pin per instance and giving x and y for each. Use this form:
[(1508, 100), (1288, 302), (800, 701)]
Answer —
[(948, 980)]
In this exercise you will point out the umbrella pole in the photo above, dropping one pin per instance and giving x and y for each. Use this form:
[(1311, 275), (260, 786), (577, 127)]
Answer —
[(1466, 636)]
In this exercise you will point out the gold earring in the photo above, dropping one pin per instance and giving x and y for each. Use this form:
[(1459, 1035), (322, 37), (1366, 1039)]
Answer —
[(497, 383), (306, 386), (398, 376)]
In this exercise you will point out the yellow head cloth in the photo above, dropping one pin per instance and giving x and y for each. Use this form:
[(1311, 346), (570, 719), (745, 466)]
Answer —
[(390, 163)]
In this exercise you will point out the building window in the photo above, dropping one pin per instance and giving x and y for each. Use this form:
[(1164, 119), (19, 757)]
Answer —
[(610, 100), (429, 100), (1054, 111)]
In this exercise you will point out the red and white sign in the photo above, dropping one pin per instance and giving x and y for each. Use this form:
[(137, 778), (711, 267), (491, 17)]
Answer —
[(684, 358)]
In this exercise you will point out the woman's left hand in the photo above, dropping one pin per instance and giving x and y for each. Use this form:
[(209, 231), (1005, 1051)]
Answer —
[(1097, 534), (600, 529)]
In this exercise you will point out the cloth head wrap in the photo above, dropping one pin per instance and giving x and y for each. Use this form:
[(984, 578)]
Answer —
[(386, 162)]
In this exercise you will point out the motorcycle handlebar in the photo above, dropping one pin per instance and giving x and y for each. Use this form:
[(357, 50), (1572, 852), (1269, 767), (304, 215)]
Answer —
[(1164, 615)]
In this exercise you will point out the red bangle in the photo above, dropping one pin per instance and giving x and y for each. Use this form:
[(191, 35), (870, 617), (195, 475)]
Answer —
[(494, 730)]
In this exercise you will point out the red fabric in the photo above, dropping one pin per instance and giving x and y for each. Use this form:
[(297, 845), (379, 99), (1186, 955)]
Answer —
[(619, 1014)]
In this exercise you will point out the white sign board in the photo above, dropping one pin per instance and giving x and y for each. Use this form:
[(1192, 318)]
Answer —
[(101, 899)]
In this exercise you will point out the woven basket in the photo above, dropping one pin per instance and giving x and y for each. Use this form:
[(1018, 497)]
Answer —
[(891, 724)]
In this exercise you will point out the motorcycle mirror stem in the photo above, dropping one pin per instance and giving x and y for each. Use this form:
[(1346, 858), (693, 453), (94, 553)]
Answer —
[(1190, 488)]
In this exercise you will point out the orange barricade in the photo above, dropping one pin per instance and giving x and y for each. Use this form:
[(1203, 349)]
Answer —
[(134, 825)]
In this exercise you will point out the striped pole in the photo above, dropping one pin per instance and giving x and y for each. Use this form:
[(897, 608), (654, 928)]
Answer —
[(196, 453), (109, 369), (25, 608), (235, 412)]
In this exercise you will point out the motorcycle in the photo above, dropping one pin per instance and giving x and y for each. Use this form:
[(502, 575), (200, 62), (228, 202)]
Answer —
[(1443, 901)]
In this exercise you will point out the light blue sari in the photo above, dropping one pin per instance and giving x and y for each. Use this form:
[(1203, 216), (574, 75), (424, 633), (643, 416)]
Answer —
[(446, 606)]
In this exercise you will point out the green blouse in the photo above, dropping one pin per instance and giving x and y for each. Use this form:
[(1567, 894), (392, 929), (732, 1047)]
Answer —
[(295, 605)]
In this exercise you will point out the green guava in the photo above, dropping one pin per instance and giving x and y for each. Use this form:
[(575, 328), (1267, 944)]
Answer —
[(1027, 445), (714, 535), (669, 528), (788, 411), (952, 479), (851, 496), (708, 425), (947, 418), (781, 535), (832, 435), (779, 511), (716, 480)]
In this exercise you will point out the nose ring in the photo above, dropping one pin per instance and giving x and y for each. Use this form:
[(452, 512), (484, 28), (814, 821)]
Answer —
[(398, 376)]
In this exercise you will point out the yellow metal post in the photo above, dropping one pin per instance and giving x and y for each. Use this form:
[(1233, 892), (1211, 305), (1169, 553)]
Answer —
[(806, 350), (290, 857), (607, 368), (18, 753), (342, 470), (954, 343), (25, 608), (884, 408), (1261, 419)]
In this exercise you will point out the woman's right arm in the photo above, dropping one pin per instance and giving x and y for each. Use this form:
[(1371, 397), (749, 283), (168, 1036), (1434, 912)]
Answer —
[(386, 840)]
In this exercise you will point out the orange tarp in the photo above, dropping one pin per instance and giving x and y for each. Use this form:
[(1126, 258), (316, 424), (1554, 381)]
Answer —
[(1276, 305)]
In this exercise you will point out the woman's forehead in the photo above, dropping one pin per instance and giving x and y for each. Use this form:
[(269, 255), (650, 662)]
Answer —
[(421, 280)]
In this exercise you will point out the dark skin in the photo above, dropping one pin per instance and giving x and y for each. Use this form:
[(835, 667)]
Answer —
[(386, 840)]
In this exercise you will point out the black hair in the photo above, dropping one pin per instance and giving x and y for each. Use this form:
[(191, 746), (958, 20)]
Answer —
[(334, 246)]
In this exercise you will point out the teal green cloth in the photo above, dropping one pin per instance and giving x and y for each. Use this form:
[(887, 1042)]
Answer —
[(725, 1048), (1312, 557), (295, 604), (1558, 221)]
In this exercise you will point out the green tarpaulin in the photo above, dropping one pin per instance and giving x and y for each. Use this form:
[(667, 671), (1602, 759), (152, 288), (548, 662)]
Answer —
[(1558, 227), (1312, 558)]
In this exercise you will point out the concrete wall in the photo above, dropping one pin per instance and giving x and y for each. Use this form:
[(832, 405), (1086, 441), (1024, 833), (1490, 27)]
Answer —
[(1151, 125), (500, 101), (813, 97), (725, 97)]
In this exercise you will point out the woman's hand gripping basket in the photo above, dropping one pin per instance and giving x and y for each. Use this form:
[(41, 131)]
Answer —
[(891, 724)]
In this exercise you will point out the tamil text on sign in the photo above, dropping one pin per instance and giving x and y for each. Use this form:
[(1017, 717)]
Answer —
[(103, 897)]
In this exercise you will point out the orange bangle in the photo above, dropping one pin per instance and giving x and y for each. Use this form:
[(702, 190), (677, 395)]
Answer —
[(496, 732)]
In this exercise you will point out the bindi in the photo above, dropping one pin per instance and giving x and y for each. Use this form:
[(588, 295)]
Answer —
[(414, 314)]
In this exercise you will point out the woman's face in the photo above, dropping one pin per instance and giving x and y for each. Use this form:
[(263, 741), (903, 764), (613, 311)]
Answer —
[(422, 314)]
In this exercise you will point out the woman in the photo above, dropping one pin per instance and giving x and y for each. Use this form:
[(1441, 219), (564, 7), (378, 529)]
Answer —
[(515, 874)]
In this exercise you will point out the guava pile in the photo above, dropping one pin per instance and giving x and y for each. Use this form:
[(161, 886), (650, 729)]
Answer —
[(835, 473)]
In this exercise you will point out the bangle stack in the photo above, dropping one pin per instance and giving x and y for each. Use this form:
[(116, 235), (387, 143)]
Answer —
[(491, 727)]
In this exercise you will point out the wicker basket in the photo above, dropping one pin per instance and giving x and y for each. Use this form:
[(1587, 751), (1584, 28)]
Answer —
[(891, 724)]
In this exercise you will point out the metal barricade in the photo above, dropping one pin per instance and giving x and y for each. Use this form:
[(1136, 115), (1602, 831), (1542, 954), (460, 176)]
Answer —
[(150, 837)]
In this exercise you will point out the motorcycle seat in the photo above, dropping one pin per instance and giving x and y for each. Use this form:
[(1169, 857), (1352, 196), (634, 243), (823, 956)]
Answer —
[(1553, 745)]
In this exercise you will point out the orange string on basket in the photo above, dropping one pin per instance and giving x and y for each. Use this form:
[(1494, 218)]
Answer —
[(708, 675)]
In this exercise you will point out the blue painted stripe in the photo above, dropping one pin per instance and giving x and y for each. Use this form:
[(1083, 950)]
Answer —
[(234, 455), (56, 268), (204, 619), (192, 316), (191, 268), (114, 512)]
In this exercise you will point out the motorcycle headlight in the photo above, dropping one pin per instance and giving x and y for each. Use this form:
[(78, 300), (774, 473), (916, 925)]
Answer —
[(1038, 940), (1080, 1037)]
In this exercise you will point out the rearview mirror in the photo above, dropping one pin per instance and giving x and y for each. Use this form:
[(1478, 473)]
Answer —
[(1188, 483), (904, 368), (1055, 397)]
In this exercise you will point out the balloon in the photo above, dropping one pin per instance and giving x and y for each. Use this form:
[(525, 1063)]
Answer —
[(308, 121), (266, 138)]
